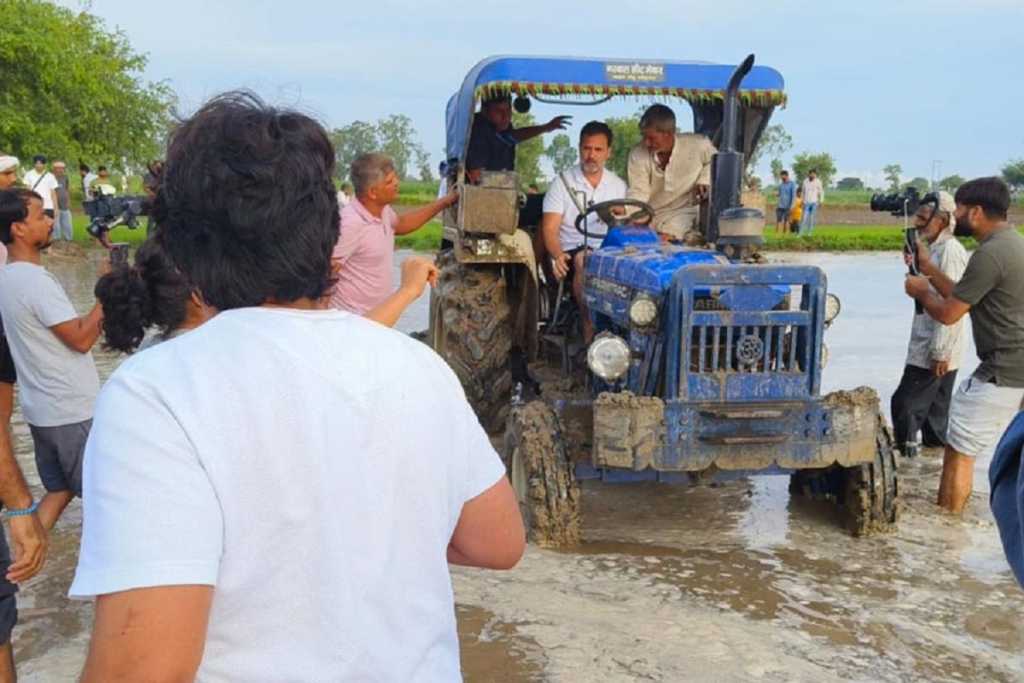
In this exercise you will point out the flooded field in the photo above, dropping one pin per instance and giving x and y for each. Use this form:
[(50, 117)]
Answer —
[(737, 582)]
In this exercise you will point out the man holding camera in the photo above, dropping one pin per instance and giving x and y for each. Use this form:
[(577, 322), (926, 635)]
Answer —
[(51, 346), (922, 400), (992, 290)]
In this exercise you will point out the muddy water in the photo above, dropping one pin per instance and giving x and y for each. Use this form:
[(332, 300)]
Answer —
[(737, 582)]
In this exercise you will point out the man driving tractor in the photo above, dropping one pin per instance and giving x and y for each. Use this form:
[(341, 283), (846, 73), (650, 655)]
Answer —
[(672, 172)]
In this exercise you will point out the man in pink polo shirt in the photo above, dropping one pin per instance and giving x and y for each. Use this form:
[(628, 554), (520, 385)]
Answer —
[(363, 255)]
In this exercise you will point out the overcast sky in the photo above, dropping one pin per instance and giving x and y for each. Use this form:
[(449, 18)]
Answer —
[(870, 82)]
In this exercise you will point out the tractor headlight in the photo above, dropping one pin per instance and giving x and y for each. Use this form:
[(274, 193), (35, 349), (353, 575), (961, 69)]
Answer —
[(643, 311), (832, 308), (608, 357)]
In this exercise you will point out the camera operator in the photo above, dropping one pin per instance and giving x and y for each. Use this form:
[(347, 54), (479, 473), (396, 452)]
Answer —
[(922, 400), (992, 290)]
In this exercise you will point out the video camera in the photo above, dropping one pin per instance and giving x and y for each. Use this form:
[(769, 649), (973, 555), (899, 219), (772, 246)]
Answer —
[(906, 204), (107, 212)]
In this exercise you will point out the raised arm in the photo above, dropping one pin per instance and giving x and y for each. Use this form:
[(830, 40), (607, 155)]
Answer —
[(415, 219), (417, 272), (524, 134), (80, 334)]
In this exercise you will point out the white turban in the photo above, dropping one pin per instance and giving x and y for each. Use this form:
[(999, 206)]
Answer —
[(7, 163), (947, 204)]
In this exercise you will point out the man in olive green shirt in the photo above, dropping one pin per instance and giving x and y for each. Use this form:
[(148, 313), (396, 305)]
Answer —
[(992, 289)]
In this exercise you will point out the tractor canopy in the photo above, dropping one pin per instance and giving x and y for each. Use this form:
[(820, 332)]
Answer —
[(569, 80)]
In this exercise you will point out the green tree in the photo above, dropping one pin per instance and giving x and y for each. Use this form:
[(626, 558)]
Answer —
[(850, 184), (821, 161), (398, 139), (777, 168), (625, 135), (919, 183), (423, 164), (358, 137), (394, 136), (89, 104), (561, 153), (528, 153), (1013, 174), (951, 183), (892, 175), (774, 142)]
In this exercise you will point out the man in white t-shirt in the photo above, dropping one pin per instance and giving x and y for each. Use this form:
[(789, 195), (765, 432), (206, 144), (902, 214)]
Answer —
[(43, 183), (277, 494), (578, 188), (50, 345), (814, 195)]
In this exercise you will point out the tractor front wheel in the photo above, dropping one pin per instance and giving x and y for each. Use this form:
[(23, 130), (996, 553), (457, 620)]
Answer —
[(542, 476)]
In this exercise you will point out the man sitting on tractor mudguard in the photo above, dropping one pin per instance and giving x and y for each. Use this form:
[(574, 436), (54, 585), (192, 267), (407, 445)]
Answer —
[(570, 193), (672, 172), (493, 140)]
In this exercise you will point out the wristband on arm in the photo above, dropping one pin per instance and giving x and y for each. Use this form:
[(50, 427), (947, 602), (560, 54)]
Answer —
[(24, 512)]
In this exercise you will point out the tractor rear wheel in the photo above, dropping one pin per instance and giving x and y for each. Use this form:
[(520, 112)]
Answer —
[(542, 476), (471, 328)]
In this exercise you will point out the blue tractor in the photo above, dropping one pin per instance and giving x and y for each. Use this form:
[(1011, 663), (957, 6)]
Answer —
[(707, 362)]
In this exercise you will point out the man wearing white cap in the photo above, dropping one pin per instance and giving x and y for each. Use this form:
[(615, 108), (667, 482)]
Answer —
[(921, 401), (8, 171)]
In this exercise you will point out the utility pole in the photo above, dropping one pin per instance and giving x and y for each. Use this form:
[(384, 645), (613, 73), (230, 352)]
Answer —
[(936, 170)]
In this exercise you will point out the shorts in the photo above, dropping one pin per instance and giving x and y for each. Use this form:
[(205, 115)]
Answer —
[(979, 414), (781, 215), (8, 603), (59, 452), (8, 374)]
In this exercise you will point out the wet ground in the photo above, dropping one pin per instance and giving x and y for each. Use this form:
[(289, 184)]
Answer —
[(733, 583)]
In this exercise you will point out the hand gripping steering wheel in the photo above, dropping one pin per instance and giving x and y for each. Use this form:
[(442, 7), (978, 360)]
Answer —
[(604, 212)]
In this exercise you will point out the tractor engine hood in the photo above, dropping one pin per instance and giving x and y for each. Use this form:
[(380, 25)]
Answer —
[(646, 268), (616, 275)]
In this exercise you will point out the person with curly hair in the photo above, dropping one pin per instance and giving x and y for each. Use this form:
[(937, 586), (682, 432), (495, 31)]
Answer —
[(256, 489)]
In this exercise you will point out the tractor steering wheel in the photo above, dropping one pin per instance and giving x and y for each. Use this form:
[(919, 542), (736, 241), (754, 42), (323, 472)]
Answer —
[(604, 212)]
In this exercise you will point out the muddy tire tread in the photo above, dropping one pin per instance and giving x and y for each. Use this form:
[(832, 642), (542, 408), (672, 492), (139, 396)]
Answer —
[(551, 502), (476, 326)]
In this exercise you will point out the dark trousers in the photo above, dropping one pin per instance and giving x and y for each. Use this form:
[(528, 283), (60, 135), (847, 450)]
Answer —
[(921, 402)]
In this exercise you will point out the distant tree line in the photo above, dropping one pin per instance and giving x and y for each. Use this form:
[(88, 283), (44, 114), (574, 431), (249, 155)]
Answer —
[(71, 88)]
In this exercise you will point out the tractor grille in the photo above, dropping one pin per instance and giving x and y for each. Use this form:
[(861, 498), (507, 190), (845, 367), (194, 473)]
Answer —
[(717, 347), (760, 348)]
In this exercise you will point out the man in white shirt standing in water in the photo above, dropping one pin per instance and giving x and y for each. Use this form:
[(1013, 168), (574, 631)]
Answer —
[(277, 494)]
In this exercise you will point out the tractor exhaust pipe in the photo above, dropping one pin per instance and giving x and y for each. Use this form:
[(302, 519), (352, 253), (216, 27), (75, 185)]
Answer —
[(727, 164), (730, 141)]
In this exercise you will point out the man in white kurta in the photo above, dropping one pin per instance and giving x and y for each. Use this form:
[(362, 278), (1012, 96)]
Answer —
[(672, 172)]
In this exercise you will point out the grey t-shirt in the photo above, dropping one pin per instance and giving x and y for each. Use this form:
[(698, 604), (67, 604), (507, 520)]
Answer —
[(58, 386), (993, 285)]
